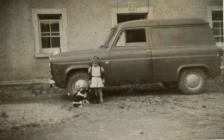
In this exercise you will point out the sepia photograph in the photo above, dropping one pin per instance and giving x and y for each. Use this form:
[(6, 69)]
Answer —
[(111, 70)]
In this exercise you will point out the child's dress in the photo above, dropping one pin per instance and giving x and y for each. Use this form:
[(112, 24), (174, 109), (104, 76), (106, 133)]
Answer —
[(96, 77)]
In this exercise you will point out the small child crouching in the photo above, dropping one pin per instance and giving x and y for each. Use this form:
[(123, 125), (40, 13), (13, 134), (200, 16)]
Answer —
[(81, 97)]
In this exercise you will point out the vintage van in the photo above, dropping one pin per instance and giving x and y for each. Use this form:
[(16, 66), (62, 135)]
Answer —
[(177, 52)]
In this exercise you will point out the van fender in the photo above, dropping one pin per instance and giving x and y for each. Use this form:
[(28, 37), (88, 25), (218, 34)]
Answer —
[(203, 66), (79, 67)]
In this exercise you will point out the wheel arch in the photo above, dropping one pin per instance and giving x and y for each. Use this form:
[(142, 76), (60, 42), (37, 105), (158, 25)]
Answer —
[(203, 67), (72, 70)]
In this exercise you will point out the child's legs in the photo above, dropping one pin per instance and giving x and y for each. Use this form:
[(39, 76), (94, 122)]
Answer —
[(100, 93), (95, 91), (96, 94)]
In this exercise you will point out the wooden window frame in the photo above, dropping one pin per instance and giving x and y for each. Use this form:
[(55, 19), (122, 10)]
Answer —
[(50, 32), (46, 52), (210, 9)]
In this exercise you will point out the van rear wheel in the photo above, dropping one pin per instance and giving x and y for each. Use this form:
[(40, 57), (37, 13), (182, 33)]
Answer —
[(192, 81)]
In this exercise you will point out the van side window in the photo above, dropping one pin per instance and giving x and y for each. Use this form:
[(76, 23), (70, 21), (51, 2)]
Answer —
[(122, 40), (136, 35), (132, 37), (188, 35)]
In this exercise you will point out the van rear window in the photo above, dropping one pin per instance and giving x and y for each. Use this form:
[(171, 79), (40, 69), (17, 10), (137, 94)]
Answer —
[(194, 35)]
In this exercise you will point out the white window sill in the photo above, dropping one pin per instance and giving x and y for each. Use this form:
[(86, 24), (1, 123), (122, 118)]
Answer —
[(41, 55), (46, 53), (220, 44)]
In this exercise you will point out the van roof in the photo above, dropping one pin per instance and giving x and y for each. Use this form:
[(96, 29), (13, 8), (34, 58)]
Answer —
[(167, 22)]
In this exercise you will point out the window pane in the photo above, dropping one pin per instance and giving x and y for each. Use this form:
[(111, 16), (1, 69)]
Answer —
[(55, 42), (50, 30), (45, 27), (45, 34), (129, 17), (217, 15), (121, 41), (55, 27), (137, 35), (49, 16), (217, 31), (45, 42), (219, 39), (217, 24)]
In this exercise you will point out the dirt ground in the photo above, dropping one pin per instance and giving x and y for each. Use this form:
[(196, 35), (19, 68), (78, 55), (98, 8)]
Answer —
[(39, 112)]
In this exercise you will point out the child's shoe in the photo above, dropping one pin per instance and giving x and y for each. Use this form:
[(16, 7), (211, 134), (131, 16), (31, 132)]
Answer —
[(85, 102), (76, 104), (101, 100)]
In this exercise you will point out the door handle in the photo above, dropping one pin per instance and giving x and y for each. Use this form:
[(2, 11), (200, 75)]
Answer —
[(107, 62)]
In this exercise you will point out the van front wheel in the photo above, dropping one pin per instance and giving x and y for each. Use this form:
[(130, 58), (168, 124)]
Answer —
[(192, 81), (76, 81)]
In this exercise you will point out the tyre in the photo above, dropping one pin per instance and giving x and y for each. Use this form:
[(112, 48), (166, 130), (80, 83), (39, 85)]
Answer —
[(192, 81), (75, 80), (171, 85)]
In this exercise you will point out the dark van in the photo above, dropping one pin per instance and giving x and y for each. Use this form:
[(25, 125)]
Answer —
[(179, 53)]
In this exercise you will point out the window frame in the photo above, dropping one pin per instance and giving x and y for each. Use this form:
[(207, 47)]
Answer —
[(50, 32), (141, 14), (46, 52), (123, 10), (146, 44), (210, 10)]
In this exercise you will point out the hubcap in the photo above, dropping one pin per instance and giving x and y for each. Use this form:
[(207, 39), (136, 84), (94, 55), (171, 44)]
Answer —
[(193, 81), (79, 84)]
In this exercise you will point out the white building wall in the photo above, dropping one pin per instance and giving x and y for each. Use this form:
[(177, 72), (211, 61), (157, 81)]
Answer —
[(88, 21)]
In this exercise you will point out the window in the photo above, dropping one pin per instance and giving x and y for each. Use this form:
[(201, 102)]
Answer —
[(132, 37), (50, 31), (136, 35), (129, 17), (215, 18), (217, 25)]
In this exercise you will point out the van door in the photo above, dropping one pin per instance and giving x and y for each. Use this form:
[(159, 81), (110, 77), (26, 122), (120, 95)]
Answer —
[(130, 57)]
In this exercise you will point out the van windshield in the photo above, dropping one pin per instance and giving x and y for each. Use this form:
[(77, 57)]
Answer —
[(109, 36)]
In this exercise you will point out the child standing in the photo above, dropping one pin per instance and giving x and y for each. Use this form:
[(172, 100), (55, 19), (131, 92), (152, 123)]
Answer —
[(96, 72)]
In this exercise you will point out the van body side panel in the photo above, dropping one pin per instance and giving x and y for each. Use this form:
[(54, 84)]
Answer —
[(169, 61), (130, 66), (178, 47)]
